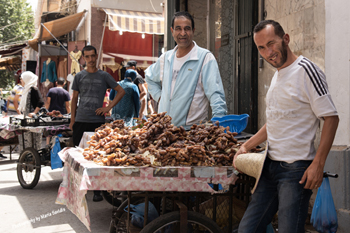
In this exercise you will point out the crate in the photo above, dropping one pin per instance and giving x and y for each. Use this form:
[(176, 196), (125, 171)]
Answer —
[(38, 121)]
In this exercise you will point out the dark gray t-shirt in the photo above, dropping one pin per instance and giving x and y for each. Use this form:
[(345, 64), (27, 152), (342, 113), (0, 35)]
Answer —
[(92, 89)]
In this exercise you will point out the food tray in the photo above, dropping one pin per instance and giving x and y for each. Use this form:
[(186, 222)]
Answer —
[(38, 121)]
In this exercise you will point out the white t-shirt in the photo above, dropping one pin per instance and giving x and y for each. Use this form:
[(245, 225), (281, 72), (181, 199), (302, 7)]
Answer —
[(297, 98), (178, 62)]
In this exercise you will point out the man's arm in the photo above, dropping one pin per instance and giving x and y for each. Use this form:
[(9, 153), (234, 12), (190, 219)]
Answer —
[(257, 139), (73, 105), (67, 107), (212, 85), (15, 104), (48, 102), (314, 173), (120, 93), (143, 98), (153, 79)]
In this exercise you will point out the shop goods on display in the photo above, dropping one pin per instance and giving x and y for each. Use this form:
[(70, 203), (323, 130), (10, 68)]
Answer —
[(159, 143)]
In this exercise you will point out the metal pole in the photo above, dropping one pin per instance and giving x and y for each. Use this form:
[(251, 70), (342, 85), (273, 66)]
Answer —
[(61, 44), (100, 51)]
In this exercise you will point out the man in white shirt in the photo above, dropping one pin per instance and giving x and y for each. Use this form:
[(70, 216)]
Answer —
[(296, 101)]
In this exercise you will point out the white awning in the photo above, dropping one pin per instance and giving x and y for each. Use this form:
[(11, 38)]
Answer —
[(135, 21)]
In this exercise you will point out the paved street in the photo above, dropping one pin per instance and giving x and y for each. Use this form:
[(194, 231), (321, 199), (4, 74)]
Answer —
[(34, 210)]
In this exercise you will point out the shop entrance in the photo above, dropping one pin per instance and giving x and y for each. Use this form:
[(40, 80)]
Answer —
[(247, 62)]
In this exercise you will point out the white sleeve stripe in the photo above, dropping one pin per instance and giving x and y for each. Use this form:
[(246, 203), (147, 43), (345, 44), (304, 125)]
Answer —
[(316, 81)]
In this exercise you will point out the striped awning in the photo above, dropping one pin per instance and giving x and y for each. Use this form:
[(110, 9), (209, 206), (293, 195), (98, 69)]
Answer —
[(135, 21)]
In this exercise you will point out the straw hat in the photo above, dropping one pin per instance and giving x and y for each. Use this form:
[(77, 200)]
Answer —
[(251, 164)]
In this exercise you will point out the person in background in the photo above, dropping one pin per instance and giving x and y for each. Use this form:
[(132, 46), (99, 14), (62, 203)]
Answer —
[(58, 98), (297, 99), (14, 99), (186, 80), (129, 106), (141, 84), (31, 100), (106, 101), (90, 86)]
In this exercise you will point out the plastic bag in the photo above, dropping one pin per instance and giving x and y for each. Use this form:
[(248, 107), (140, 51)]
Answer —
[(137, 213), (56, 161), (324, 216)]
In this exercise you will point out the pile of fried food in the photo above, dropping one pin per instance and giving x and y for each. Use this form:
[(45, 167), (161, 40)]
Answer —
[(159, 143)]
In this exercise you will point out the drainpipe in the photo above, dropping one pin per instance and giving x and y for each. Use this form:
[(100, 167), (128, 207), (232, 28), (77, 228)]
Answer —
[(262, 16), (208, 25)]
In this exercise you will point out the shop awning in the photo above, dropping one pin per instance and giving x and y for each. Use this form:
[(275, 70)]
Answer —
[(57, 27), (10, 63), (135, 21)]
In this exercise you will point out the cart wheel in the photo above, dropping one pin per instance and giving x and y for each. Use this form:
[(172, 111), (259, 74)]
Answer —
[(170, 222), (28, 168), (108, 196)]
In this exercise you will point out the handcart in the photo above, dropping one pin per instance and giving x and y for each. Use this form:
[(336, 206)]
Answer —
[(180, 194), (31, 159)]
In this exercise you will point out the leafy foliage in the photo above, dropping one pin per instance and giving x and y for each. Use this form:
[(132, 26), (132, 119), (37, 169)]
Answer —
[(7, 81), (16, 21)]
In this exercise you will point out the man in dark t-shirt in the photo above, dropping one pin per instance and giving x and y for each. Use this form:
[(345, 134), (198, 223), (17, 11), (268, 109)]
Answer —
[(58, 98), (90, 86)]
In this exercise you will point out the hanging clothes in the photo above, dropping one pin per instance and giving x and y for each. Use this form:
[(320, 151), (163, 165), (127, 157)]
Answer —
[(62, 69), (49, 72), (70, 79), (75, 66)]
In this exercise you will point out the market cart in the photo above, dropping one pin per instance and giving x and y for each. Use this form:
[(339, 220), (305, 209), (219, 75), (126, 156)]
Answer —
[(80, 175), (33, 157)]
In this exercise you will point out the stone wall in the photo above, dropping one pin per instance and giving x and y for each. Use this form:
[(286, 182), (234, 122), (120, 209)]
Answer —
[(226, 61)]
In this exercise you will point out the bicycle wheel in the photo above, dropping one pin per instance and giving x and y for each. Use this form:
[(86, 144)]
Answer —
[(108, 196), (170, 222), (28, 168)]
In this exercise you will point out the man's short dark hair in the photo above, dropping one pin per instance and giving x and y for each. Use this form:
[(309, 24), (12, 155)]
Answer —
[(262, 24), (182, 14), (61, 81), (88, 48)]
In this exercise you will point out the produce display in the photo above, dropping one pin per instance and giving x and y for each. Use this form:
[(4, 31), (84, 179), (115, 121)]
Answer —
[(54, 113), (159, 143)]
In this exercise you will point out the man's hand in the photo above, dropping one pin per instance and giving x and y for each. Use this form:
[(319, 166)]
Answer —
[(102, 111), (71, 125), (242, 150), (313, 176)]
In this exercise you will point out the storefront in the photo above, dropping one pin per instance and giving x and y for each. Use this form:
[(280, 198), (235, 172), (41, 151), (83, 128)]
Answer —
[(53, 46), (131, 35)]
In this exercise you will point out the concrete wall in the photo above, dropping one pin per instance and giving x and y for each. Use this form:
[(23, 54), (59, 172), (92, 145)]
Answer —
[(337, 66), (337, 63)]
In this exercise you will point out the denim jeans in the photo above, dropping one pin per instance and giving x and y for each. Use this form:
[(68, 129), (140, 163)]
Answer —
[(278, 190)]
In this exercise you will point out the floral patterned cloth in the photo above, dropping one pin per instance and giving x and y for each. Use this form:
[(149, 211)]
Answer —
[(80, 175)]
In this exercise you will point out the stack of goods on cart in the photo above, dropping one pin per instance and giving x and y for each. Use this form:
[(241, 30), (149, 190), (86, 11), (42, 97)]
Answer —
[(159, 143), (42, 118)]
